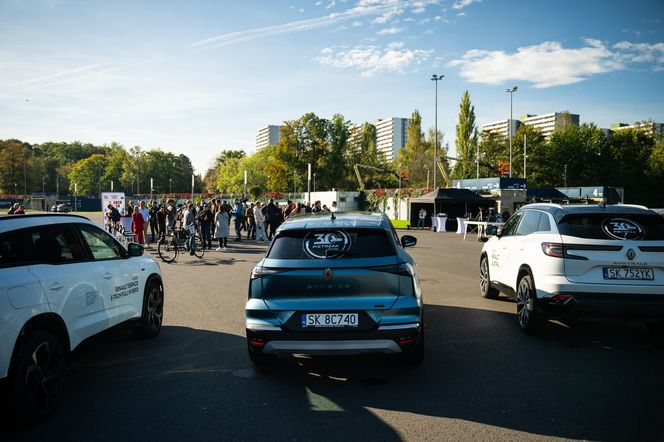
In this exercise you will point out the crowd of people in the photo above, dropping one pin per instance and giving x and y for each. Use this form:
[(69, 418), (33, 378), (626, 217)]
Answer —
[(210, 219)]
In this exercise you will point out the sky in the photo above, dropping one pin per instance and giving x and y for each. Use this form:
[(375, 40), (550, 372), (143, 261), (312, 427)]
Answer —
[(198, 77)]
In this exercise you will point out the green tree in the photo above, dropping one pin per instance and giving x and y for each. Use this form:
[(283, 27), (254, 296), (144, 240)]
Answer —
[(334, 164), (466, 140), (416, 154), (85, 175)]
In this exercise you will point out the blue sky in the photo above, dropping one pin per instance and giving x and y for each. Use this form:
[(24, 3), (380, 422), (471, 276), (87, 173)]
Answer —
[(197, 77)]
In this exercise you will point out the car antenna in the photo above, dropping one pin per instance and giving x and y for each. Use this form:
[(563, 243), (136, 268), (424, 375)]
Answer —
[(332, 217)]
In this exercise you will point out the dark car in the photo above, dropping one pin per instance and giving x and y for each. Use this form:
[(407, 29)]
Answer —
[(333, 285)]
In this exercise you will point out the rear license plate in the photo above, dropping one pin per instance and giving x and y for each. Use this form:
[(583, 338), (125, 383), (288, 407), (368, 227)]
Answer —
[(628, 274), (316, 320)]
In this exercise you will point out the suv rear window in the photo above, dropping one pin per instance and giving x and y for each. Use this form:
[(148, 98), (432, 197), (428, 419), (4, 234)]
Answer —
[(613, 226), (331, 244)]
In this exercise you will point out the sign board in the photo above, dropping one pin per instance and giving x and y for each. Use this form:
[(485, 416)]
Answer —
[(117, 199)]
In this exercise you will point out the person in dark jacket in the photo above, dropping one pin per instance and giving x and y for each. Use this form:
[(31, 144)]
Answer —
[(205, 218), (162, 218), (272, 218)]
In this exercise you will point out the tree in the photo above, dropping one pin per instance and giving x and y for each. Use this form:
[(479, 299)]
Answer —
[(85, 175), (466, 139), (334, 170), (415, 155), (631, 166), (13, 158)]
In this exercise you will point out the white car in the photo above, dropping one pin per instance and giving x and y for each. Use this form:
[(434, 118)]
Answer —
[(564, 262), (63, 280)]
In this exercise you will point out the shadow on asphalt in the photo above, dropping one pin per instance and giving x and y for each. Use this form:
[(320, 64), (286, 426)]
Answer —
[(599, 380)]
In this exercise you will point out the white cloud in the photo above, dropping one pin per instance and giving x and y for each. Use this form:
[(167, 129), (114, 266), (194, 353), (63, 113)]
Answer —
[(461, 14), (641, 52), (389, 31), (550, 64), (460, 4), (318, 3), (355, 24), (331, 4), (371, 60)]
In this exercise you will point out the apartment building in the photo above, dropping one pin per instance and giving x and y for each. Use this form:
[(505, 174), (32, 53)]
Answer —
[(268, 135), (649, 127), (547, 123), (502, 127), (391, 135)]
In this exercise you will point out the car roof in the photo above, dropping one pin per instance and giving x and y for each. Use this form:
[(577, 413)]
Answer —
[(14, 222), (559, 211), (331, 220)]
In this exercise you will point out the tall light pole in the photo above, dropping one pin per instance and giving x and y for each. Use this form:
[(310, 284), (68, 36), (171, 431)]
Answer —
[(244, 195), (525, 175), (309, 182), (436, 79), (509, 124), (399, 199), (170, 185), (314, 182), (427, 168)]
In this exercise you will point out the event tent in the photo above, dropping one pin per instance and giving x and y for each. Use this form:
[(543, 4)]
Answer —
[(453, 202)]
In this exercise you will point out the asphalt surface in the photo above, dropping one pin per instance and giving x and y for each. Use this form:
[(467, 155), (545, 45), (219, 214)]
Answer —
[(482, 379)]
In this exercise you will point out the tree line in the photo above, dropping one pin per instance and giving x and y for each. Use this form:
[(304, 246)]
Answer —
[(86, 169)]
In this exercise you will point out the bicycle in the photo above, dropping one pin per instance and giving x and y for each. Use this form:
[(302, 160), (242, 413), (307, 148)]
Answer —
[(170, 245)]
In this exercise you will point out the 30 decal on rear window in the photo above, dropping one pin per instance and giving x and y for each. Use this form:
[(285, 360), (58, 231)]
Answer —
[(321, 245)]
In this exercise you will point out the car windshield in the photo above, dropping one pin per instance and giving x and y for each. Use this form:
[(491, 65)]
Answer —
[(607, 226), (331, 244)]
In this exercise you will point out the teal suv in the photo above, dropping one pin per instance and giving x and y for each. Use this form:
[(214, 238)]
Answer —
[(336, 285)]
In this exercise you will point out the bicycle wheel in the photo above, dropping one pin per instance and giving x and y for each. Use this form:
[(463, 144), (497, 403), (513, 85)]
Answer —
[(167, 248), (200, 249)]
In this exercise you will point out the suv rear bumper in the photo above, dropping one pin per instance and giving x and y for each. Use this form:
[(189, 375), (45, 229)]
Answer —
[(604, 304), (394, 339)]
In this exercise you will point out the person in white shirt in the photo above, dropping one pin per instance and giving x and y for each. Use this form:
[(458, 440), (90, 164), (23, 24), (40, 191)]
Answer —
[(334, 206), (260, 222), (145, 213)]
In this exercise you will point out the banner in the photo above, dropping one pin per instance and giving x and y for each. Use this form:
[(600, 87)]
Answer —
[(117, 199)]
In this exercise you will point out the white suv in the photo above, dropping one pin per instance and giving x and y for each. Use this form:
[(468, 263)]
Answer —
[(577, 260), (63, 280)]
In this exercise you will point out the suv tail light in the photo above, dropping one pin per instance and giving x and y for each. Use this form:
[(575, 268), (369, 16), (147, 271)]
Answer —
[(554, 249), (260, 271), (559, 250), (397, 269)]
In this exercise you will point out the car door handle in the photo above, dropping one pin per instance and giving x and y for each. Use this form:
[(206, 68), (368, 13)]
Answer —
[(55, 286), (108, 275)]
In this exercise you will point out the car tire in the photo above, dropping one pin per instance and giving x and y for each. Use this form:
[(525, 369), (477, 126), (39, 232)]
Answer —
[(415, 356), (153, 311), (260, 359), (485, 280), (530, 320), (37, 378)]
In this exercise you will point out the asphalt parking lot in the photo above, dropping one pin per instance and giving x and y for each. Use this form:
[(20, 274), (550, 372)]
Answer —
[(482, 379)]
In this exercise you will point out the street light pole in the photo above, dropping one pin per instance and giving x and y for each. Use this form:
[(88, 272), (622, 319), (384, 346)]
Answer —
[(525, 175), (399, 198), (170, 185), (309, 182), (435, 78), (509, 124)]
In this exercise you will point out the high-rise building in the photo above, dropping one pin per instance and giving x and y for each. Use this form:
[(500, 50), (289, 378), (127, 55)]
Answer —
[(268, 135), (501, 127), (649, 127), (547, 123), (391, 135)]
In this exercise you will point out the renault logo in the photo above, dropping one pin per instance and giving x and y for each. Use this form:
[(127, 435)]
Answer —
[(327, 274), (631, 254)]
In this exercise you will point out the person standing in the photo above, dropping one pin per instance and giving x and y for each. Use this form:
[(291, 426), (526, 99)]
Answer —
[(190, 227), (422, 218), (154, 228), (238, 213), (221, 230), (145, 213), (138, 224), (334, 207), (171, 212), (260, 222), (271, 218), (162, 218), (206, 218), (251, 222)]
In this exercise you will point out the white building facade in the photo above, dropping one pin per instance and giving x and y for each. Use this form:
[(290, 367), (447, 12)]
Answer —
[(391, 135), (502, 127), (268, 135), (547, 123)]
